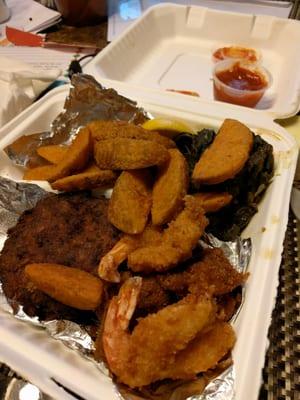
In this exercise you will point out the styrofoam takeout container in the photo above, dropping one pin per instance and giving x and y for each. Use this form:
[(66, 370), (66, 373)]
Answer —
[(147, 59), (39, 358), (171, 47)]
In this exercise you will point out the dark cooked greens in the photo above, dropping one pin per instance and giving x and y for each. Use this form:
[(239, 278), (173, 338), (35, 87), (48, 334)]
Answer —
[(247, 187)]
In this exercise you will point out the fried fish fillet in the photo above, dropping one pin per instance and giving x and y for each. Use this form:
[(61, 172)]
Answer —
[(101, 130), (127, 154), (226, 156), (90, 178), (169, 188), (178, 241), (53, 153), (212, 273), (130, 203), (75, 159), (67, 229), (213, 201)]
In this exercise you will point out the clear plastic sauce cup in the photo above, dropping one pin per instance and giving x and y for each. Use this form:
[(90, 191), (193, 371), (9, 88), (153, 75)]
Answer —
[(239, 82)]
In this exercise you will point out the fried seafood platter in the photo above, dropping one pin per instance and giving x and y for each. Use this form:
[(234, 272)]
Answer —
[(157, 303)]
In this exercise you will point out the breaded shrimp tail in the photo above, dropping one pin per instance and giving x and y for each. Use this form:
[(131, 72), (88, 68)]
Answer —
[(143, 356), (178, 241)]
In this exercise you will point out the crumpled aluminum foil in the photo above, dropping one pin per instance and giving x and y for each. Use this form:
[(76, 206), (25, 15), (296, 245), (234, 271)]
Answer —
[(15, 198), (87, 101)]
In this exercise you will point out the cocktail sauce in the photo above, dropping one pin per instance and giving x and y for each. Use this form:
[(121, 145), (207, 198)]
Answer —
[(241, 78), (244, 53), (248, 85)]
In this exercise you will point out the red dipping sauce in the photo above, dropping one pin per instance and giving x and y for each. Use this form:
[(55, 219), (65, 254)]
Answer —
[(236, 52), (238, 83)]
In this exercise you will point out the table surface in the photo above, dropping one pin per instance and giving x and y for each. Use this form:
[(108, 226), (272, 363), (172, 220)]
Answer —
[(281, 374)]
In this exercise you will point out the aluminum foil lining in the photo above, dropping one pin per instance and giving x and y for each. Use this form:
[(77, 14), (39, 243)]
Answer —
[(87, 101), (15, 198)]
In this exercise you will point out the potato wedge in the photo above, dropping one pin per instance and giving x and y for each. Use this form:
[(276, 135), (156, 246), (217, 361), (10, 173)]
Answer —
[(130, 203), (226, 156), (169, 188), (70, 286), (90, 178), (43, 173), (53, 153), (75, 159), (213, 201), (101, 130), (129, 154)]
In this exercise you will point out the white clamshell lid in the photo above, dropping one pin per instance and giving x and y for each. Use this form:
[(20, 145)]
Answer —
[(170, 47)]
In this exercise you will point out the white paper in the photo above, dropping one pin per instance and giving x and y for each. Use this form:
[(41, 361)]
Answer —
[(20, 85), (28, 15), (123, 12)]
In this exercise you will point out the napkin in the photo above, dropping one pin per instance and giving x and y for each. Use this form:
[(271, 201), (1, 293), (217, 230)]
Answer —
[(20, 85)]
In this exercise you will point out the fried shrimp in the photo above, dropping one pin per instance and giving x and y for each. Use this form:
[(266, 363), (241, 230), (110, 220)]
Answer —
[(108, 267), (170, 188), (146, 354), (130, 203), (204, 352), (226, 156), (178, 241), (127, 154), (101, 130)]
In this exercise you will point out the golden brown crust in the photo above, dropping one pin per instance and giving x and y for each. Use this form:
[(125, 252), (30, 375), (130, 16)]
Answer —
[(102, 130), (90, 178), (204, 352), (226, 156), (129, 154), (170, 188), (130, 203)]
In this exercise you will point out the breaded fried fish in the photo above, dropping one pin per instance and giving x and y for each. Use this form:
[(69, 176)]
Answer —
[(130, 203), (226, 156), (128, 154), (169, 188), (101, 130)]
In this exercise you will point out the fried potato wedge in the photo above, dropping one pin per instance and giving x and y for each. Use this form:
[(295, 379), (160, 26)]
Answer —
[(130, 203), (213, 201), (90, 178), (53, 153), (101, 130), (75, 159), (70, 286), (169, 188), (129, 154), (226, 156), (43, 173)]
